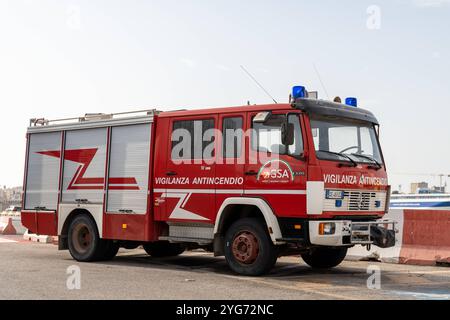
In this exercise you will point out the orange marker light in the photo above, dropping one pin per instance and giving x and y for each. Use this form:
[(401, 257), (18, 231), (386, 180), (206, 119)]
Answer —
[(124, 226), (321, 229), (298, 227), (327, 228)]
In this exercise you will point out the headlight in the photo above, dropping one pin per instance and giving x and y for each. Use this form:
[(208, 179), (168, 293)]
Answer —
[(327, 228)]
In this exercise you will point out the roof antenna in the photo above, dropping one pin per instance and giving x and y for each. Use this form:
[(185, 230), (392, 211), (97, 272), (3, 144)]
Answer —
[(256, 81), (321, 82)]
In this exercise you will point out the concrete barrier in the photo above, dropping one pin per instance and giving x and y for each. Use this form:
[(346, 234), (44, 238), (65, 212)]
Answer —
[(426, 237), (423, 239), (37, 238), (16, 221), (6, 226)]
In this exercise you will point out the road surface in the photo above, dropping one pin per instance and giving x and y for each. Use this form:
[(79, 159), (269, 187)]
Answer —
[(39, 271)]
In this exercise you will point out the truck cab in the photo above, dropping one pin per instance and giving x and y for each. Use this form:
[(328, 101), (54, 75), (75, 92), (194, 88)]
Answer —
[(347, 178), (303, 178)]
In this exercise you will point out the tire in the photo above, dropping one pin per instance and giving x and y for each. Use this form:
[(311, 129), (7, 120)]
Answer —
[(324, 258), (163, 249), (111, 251), (248, 248), (84, 241)]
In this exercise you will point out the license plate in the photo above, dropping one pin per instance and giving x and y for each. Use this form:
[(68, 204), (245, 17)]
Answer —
[(334, 194)]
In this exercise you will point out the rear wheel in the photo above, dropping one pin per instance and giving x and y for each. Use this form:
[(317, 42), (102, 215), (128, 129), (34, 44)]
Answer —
[(84, 241), (249, 249), (325, 258), (163, 249)]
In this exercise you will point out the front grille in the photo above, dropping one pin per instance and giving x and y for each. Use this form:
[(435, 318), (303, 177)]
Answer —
[(359, 201)]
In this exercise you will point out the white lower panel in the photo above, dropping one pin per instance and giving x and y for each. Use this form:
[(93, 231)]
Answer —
[(315, 192), (95, 210), (334, 240)]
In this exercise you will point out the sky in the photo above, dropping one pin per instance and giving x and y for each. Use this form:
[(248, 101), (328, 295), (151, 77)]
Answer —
[(67, 58)]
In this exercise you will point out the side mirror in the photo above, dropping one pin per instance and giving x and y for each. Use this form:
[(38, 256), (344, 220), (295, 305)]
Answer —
[(287, 133)]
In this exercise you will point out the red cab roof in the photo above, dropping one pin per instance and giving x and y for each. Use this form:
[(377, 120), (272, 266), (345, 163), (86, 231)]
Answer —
[(222, 110)]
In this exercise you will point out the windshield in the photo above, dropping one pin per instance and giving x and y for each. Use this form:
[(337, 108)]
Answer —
[(339, 139)]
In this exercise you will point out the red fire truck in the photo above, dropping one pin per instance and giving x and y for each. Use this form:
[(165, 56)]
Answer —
[(251, 183)]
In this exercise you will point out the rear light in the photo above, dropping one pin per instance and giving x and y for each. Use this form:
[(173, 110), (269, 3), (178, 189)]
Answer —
[(327, 228)]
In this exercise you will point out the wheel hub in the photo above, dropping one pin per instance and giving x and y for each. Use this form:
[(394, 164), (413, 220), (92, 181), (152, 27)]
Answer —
[(81, 238), (245, 247)]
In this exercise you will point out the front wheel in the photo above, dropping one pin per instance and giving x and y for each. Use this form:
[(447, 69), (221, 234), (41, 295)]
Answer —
[(325, 258), (248, 248)]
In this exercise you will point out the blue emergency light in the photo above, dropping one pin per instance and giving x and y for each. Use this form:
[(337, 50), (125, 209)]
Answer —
[(298, 92), (352, 102)]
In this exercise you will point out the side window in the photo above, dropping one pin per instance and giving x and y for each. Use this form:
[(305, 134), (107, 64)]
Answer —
[(232, 137), (297, 148), (190, 139), (266, 137)]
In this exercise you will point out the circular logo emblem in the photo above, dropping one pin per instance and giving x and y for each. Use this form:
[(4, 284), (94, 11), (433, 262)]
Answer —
[(276, 171)]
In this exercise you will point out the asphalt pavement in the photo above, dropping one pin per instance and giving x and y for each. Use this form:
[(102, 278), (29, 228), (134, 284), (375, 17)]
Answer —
[(39, 271)]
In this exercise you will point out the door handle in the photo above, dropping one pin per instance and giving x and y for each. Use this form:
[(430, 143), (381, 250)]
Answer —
[(171, 173), (251, 173), (125, 211)]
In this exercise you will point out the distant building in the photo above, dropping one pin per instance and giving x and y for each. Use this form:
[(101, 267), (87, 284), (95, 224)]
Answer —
[(434, 190), (439, 189), (10, 197), (417, 186)]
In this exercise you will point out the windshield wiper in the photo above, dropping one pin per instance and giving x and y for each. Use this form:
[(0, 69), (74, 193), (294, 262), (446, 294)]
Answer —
[(340, 155), (379, 165)]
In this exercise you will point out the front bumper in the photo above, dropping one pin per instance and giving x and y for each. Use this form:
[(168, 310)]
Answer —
[(348, 233)]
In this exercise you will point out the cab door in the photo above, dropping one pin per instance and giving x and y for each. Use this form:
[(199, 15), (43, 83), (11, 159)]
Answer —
[(190, 170), (275, 171), (230, 157)]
